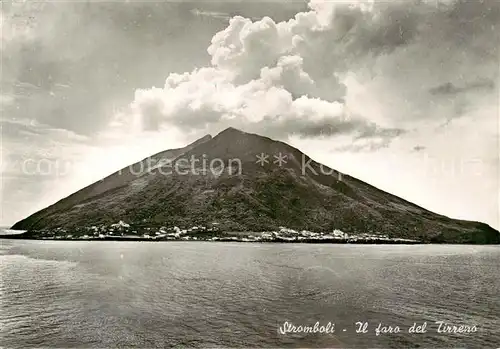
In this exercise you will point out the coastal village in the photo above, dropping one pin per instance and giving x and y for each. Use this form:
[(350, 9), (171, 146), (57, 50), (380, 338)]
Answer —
[(123, 231)]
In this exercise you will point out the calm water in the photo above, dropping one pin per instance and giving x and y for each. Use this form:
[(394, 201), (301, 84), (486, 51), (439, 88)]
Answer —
[(140, 294)]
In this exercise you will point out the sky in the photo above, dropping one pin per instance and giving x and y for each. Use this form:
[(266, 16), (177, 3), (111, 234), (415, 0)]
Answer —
[(403, 94)]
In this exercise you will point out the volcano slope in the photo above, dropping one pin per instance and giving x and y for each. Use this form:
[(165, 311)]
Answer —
[(220, 180)]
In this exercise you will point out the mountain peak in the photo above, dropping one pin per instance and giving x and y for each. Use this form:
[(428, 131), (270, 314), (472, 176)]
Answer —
[(231, 130)]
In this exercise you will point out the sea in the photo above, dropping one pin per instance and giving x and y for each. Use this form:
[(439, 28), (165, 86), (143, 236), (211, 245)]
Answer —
[(97, 294)]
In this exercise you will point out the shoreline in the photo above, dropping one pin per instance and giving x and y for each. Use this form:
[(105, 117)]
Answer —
[(122, 231), (13, 237), (230, 238), (333, 242), (221, 239)]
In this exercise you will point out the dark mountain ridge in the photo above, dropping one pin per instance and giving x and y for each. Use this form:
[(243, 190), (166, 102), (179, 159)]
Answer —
[(219, 180)]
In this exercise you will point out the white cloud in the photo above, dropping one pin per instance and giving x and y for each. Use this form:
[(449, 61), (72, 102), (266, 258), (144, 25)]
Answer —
[(396, 52), (267, 77)]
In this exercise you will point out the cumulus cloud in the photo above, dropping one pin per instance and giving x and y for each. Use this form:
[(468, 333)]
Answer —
[(275, 78), (207, 98), (297, 76)]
